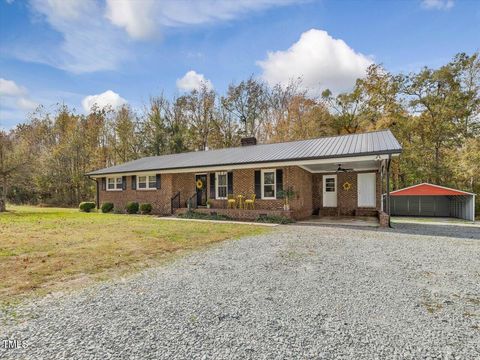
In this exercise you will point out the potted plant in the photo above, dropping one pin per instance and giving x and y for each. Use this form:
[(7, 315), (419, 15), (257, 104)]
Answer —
[(287, 194), (209, 204)]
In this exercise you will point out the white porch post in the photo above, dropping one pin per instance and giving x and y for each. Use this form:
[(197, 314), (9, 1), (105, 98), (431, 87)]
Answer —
[(388, 189)]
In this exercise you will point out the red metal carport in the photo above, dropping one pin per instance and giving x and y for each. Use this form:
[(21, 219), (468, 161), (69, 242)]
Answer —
[(432, 200)]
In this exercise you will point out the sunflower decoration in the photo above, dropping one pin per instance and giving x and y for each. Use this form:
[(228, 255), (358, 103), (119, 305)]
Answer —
[(199, 184), (347, 186)]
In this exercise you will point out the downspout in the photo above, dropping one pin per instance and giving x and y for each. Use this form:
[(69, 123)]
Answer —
[(388, 189)]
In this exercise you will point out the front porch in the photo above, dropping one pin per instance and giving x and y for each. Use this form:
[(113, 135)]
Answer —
[(325, 187)]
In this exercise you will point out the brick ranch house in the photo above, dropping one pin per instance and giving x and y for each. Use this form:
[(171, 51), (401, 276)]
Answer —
[(329, 176)]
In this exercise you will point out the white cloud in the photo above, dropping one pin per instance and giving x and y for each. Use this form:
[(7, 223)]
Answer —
[(193, 81), (135, 16), (107, 98), (89, 42), (320, 60), (10, 88), (61, 9), (144, 18), (26, 104), (93, 32), (438, 4), (17, 96)]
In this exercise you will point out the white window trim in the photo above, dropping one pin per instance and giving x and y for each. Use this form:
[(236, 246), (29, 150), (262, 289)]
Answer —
[(274, 183), (148, 188), (216, 185), (115, 181)]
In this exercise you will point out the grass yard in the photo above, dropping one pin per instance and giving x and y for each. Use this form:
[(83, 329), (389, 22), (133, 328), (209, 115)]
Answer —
[(48, 249)]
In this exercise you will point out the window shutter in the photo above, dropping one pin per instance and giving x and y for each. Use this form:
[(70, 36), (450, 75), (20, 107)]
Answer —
[(230, 182), (124, 183), (159, 181), (258, 184), (134, 182), (279, 182), (104, 183), (212, 185)]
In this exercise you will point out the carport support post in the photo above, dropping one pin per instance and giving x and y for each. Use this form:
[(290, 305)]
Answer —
[(388, 189)]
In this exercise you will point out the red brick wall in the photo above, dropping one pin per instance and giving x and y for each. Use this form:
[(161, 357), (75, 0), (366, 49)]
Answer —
[(185, 184), (346, 199), (307, 187), (294, 176), (243, 183), (160, 199)]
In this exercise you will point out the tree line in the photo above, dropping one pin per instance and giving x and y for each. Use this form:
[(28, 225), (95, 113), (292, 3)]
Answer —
[(434, 113)]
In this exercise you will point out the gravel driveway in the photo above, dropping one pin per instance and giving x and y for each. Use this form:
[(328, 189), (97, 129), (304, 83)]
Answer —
[(298, 292)]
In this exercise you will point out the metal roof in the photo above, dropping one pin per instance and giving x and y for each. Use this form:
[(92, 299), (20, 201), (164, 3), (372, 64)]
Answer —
[(371, 143)]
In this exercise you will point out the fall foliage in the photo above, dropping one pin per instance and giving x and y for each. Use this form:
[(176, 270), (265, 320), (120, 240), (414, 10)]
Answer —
[(434, 113)]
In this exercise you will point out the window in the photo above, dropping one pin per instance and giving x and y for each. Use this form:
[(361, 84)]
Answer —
[(268, 184), (147, 182), (330, 185), (114, 183), (221, 185)]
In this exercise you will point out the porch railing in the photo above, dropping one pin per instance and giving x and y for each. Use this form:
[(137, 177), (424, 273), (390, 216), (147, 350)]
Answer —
[(175, 202), (191, 202)]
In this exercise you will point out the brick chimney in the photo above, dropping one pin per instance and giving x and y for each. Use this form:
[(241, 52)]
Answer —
[(248, 141)]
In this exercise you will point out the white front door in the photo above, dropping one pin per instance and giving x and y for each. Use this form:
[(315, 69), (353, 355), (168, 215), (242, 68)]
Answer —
[(329, 190), (366, 185)]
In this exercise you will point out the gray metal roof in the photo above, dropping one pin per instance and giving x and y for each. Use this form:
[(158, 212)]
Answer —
[(371, 143)]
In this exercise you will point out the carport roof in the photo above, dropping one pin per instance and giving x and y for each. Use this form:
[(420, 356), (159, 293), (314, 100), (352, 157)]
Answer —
[(426, 189)]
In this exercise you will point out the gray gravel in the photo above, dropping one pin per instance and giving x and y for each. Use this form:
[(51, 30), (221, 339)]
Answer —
[(299, 292)]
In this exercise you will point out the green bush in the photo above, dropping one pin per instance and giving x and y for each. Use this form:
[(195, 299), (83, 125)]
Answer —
[(87, 206), (132, 207), (145, 208), (274, 219), (107, 207), (204, 216)]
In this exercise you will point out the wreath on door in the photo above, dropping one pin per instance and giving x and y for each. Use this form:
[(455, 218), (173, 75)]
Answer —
[(347, 186), (199, 184)]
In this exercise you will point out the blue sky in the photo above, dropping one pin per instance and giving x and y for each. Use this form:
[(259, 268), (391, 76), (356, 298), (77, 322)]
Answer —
[(117, 51)]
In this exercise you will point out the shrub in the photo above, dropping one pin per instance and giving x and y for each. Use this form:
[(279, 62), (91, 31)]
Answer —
[(198, 215), (87, 206), (107, 207), (145, 208), (274, 219), (132, 207)]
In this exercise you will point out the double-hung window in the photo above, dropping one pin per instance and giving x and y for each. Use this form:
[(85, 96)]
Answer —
[(146, 182), (221, 185), (114, 183), (268, 184)]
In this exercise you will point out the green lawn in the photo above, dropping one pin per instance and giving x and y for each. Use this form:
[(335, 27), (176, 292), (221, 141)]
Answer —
[(48, 249)]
